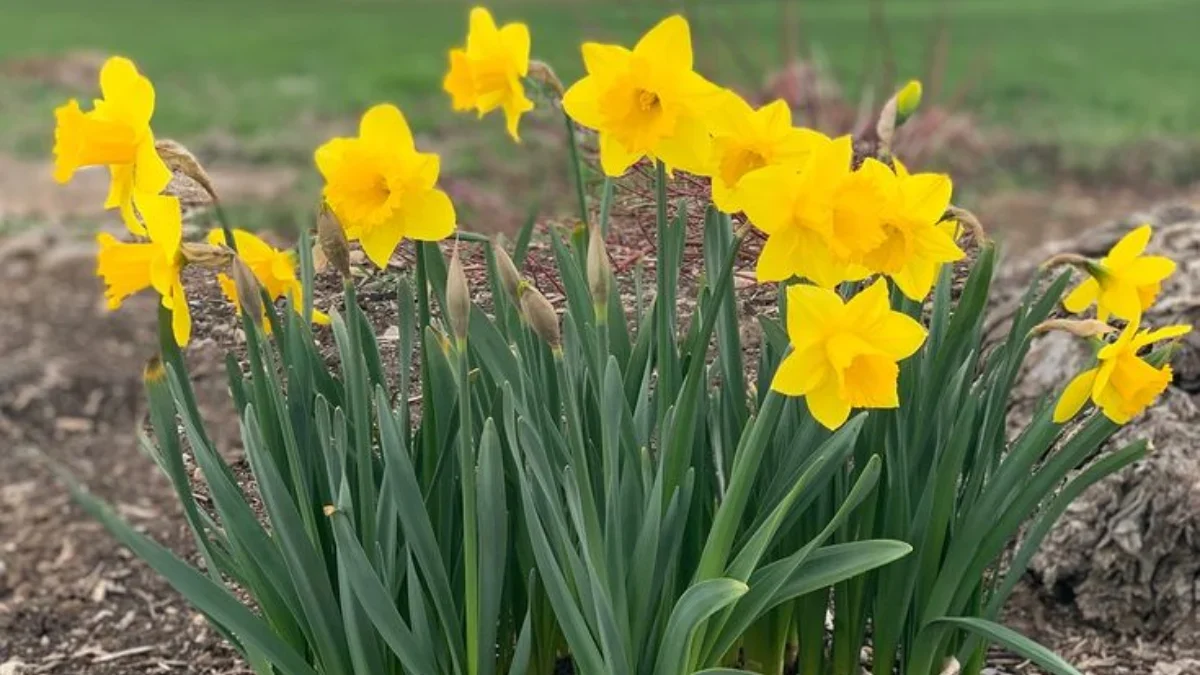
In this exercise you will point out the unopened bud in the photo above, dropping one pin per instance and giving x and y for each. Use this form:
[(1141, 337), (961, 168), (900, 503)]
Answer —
[(248, 291), (180, 160), (209, 256), (908, 99), (506, 269), (599, 271), (541, 72), (332, 240), (1084, 328), (541, 315), (329, 510), (458, 298)]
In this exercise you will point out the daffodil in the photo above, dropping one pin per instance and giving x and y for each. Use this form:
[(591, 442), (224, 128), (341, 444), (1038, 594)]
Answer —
[(1123, 384), (115, 133), (844, 354), (274, 269), (1124, 282), (646, 102), (917, 241), (820, 220), (128, 268), (486, 75), (745, 139), (381, 189)]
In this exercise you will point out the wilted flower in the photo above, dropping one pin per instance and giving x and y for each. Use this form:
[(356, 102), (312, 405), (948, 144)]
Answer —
[(646, 102), (115, 133), (1124, 282), (486, 75), (745, 139), (844, 354), (381, 189), (1122, 385), (917, 242), (274, 269), (128, 268), (181, 160)]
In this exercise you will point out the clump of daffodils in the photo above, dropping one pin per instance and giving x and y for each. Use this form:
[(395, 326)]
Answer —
[(607, 489)]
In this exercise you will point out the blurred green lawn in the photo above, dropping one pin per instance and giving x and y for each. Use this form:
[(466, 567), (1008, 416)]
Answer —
[(1091, 72)]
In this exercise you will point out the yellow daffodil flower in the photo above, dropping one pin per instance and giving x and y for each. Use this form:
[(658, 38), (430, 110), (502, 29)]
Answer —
[(844, 354), (381, 189), (646, 102), (917, 242), (745, 139), (115, 133), (129, 268), (274, 269), (486, 75), (819, 220), (1123, 283), (1122, 385)]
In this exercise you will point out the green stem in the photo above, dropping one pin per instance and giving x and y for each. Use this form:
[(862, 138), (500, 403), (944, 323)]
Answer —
[(226, 229), (576, 168), (466, 458)]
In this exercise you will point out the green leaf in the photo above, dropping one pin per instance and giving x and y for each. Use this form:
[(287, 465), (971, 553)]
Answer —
[(1009, 639), (493, 543), (696, 604)]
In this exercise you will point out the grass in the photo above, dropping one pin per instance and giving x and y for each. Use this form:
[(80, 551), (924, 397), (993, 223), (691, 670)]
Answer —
[(1082, 71)]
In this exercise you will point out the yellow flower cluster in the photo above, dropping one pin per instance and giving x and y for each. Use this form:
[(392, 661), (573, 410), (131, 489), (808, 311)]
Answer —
[(1122, 284), (116, 133)]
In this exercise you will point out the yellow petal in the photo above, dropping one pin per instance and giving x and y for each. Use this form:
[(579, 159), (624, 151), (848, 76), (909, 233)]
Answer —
[(600, 58), (615, 158), (124, 267), (181, 315), (936, 244), (827, 406), (730, 114), (1122, 300), (776, 115), (126, 91), (809, 308), (1074, 396), (428, 216), (1148, 270), (481, 32), (767, 196), (151, 174), (515, 37), (688, 148), (583, 102), (898, 335), (513, 109), (385, 125), (916, 278), (381, 241), (1160, 334), (776, 260), (1130, 246), (870, 306), (799, 373), (668, 45), (1082, 296), (926, 196), (458, 81), (164, 220)]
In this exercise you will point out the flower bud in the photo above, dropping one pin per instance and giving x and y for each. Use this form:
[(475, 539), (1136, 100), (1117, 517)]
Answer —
[(154, 372), (180, 160), (332, 240), (540, 71), (599, 272), (506, 269), (541, 316), (908, 99), (248, 291), (458, 299)]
